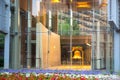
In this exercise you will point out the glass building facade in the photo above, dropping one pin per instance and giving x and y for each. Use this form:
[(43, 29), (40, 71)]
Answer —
[(52, 33)]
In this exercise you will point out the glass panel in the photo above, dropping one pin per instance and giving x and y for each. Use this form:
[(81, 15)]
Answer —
[(64, 32)]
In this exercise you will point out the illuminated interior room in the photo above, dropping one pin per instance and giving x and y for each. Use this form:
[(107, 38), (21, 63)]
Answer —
[(62, 34)]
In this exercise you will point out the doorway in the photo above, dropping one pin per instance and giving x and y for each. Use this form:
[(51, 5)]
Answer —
[(2, 36)]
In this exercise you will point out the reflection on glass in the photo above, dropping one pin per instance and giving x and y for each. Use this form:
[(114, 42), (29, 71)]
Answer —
[(59, 25)]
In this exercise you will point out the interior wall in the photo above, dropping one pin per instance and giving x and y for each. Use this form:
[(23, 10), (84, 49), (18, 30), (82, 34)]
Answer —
[(24, 5), (87, 56), (51, 44)]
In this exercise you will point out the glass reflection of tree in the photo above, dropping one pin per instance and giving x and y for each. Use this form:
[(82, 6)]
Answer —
[(65, 24)]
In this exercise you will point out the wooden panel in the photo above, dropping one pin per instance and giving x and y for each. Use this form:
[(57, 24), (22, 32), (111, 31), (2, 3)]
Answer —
[(23, 4)]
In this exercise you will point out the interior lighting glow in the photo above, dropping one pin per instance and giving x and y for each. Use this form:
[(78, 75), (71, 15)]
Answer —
[(88, 44), (103, 4), (83, 5), (55, 1)]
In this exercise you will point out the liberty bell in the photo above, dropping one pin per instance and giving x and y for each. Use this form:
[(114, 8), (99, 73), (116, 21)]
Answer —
[(77, 54)]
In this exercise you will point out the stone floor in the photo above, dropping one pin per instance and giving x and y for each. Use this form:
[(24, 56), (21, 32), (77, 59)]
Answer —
[(73, 67)]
